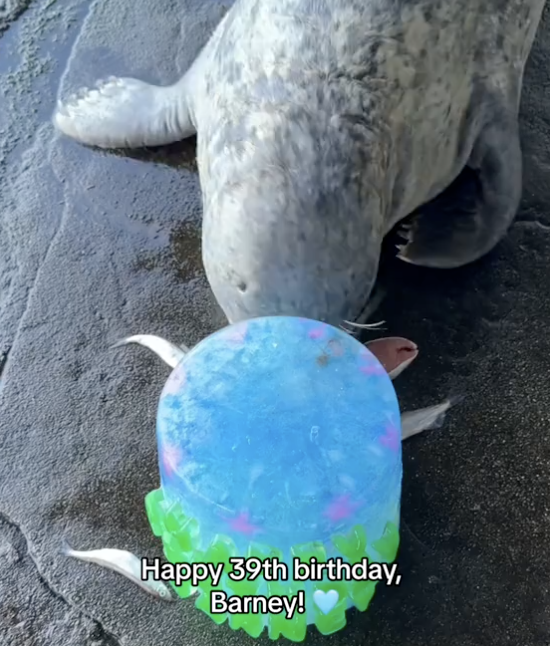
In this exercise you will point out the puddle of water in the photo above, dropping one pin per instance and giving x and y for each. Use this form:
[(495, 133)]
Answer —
[(150, 197), (183, 253), (185, 245)]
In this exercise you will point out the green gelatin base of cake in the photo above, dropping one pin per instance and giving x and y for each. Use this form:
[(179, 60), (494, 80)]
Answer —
[(182, 543)]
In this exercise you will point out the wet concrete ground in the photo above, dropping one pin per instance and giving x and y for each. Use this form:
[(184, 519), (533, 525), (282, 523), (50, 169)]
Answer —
[(95, 246)]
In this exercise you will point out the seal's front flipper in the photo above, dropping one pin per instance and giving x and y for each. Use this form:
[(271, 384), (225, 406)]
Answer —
[(424, 419), (126, 113), (469, 218)]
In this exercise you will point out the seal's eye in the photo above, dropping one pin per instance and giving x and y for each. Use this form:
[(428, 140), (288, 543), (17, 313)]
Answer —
[(241, 286)]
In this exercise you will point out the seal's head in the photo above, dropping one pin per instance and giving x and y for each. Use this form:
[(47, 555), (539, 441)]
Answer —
[(295, 229)]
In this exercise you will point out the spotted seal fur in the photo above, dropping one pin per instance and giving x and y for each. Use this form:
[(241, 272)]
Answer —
[(322, 124)]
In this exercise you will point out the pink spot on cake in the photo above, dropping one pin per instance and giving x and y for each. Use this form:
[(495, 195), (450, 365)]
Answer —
[(242, 524), (372, 369), (316, 333), (341, 508), (391, 439), (171, 458), (237, 334), (175, 382)]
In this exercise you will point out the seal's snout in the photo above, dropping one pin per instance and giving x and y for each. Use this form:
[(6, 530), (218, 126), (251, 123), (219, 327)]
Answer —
[(285, 274), (290, 234), (285, 290)]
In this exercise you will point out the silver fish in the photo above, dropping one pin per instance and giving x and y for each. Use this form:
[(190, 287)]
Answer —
[(394, 353), (424, 419), (168, 352), (124, 563)]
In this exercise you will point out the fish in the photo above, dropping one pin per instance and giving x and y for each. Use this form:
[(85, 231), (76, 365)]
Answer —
[(123, 562), (424, 419), (395, 353), (168, 352)]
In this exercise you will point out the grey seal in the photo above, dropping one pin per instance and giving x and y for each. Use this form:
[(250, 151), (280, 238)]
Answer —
[(320, 125)]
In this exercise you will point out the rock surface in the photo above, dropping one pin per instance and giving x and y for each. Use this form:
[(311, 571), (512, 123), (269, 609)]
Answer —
[(95, 246)]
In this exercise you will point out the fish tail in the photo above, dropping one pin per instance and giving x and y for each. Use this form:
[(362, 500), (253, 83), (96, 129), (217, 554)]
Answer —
[(449, 403), (439, 420), (455, 399), (66, 549)]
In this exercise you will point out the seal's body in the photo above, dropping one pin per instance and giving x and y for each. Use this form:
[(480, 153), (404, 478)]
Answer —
[(323, 123)]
